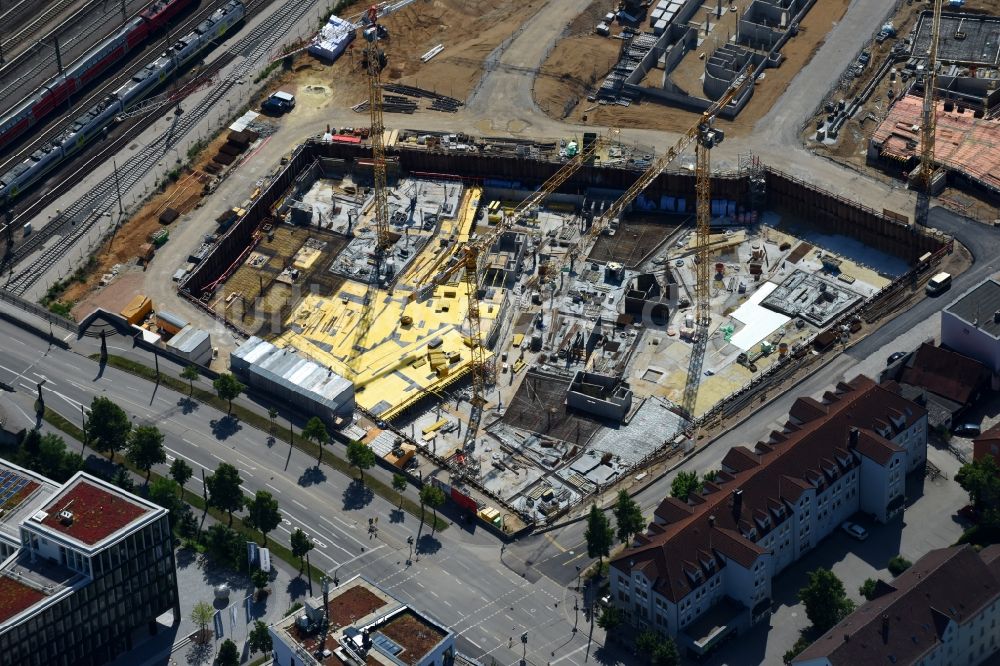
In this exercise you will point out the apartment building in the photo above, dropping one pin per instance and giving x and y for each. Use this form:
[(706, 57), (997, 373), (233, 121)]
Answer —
[(703, 569), (942, 611)]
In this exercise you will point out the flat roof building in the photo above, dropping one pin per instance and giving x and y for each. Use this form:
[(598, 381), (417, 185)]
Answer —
[(90, 569), (971, 325), (358, 624), (287, 374)]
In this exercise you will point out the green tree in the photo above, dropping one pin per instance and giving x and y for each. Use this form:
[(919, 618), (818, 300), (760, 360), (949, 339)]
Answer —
[(898, 564), (190, 373), (180, 472), (399, 484), (228, 388), (226, 545), (665, 653), (259, 639), (260, 579), (981, 479), (801, 644), (628, 517), (610, 618), (272, 414), (202, 615), (224, 492), (684, 484), (145, 448), (432, 496), (47, 455), (825, 600), (107, 427), (301, 544), (599, 535), (361, 456), (229, 654), (867, 589), (164, 492), (315, 431), (656, 649), (262, 513)]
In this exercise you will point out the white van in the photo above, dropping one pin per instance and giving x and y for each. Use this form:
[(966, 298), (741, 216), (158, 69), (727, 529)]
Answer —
[(938, 284)]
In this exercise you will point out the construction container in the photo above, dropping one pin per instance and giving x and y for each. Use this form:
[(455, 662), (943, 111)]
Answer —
[(169, 322), (137, 309), (146, 252)]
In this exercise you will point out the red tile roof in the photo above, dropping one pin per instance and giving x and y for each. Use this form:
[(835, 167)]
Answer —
[(945, 373), (907, 620), (97, 513), (16, 597), (776, 474)]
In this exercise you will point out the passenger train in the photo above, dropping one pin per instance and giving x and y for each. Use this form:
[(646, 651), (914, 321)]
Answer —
[(88, 67), (81, 130)]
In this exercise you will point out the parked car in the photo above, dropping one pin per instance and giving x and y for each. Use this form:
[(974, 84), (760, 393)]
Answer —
[(854, 530), (968, 512), (895, 357), (966, 430)]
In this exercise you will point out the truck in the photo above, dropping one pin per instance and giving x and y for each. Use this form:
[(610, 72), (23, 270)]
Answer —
[(278, 103)]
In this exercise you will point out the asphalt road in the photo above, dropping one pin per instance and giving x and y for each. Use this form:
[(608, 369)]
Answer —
[(490, 603)]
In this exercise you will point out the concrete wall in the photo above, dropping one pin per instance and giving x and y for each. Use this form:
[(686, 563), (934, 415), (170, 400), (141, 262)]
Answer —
[(590, 393)]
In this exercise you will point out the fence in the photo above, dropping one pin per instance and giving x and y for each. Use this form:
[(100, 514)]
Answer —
[(40, 312)]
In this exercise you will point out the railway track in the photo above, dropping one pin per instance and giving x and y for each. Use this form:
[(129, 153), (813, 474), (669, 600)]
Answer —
[(9, 43), (56, 125), (84, 213), (22, 76)]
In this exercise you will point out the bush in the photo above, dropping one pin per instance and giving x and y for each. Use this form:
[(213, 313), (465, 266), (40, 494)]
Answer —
[(898, 565)]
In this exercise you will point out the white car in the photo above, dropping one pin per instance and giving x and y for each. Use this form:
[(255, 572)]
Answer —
[(854, 530)]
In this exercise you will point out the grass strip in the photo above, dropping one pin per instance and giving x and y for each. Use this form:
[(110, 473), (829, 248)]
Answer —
[(57, 421), (263, 423)]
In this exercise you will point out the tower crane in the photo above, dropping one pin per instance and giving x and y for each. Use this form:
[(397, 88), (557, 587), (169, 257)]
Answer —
[(707, 137), (375, 61), (928, 124)]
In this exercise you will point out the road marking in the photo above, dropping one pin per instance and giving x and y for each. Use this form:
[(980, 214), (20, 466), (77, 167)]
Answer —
[(181, 455), (477, 645), (433, 593), (218, 458), (569, 654), (446, 603), (246, 462), (245, 489), (271, 487), (300, 504), (68, 336), (341, 530), (247, 473), (555, 543), (45, 379), (170, 457), (190, 442)]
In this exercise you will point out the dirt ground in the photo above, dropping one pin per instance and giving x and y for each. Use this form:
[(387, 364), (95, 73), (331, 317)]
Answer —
[(183, 196), (567, 77), (468, 29), (552, 94)]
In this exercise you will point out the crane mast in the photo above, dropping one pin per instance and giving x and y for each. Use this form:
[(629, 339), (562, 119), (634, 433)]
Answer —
[(375, 61), (928, 124)]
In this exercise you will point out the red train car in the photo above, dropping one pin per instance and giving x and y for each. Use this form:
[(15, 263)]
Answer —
[(88, 67), (161, 11)]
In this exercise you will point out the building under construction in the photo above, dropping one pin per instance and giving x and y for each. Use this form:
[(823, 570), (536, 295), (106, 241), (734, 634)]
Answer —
[(587, 344)]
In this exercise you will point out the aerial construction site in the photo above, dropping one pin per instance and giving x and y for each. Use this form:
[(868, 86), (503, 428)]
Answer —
[(529, 320)]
